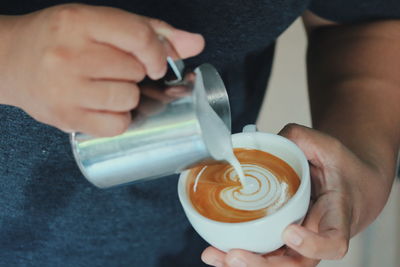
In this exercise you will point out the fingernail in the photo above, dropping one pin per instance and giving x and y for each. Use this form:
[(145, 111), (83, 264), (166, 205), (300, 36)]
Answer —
[(164, 32), (217, 263), (213, 262), (236, 262), (176, 90), (293, 238), (179, 31)]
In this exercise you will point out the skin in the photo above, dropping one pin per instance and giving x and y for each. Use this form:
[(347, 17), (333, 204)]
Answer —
[(354, 94), (76, 67)]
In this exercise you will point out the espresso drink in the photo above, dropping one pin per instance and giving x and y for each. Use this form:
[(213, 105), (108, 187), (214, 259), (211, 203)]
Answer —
[(216, 192)]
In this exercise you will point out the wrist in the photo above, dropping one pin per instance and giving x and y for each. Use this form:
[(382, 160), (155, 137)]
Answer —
[(368, 175), (374, 147), (371, 190)]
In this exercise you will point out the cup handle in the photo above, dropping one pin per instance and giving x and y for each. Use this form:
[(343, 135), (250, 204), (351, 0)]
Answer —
[(249, 128)]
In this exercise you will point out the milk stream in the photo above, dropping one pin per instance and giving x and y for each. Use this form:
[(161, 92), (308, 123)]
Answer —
[(233, 161), (215, 133)]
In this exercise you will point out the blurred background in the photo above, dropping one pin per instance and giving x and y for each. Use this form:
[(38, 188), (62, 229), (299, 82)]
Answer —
[(287, 101)]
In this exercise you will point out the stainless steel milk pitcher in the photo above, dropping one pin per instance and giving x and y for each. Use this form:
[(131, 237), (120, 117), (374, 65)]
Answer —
[(165, 135)]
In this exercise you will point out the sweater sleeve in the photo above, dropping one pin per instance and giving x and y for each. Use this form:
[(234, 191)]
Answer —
[(353, 11)]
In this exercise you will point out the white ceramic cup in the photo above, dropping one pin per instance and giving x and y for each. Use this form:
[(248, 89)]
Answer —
[(265, 234)]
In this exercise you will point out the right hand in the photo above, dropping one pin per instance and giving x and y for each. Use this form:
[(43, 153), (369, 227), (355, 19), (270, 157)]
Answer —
[(348, 193), (76, 67)]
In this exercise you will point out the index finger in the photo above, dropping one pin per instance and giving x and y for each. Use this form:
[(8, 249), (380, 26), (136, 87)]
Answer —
[(130, 33)]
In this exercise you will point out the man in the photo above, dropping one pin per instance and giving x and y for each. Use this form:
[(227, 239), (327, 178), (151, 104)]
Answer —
[(75, 67)]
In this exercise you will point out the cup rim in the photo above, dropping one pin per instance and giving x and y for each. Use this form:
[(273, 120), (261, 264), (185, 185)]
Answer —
[(304, 184)]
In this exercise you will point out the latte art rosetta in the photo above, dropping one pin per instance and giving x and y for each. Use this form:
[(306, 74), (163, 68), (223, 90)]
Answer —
[(216, 193), (264, 190)]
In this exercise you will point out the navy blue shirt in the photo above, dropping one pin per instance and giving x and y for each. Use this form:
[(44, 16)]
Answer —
[(51, 216)]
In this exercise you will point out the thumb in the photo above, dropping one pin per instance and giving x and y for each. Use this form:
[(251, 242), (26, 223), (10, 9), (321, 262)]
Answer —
[(331, 244), (186, 44)]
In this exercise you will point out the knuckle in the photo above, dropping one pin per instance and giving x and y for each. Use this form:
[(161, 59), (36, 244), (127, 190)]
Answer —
[(337, 146), (146, 35), (337, 149), (57, 55), (65, 16), (290, 129), (63, 119)]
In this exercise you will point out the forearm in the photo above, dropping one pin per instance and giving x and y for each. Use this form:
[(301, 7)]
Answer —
[(354, 81), (7, 24)]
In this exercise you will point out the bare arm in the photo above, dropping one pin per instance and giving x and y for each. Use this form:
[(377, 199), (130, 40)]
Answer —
[(354, 85)]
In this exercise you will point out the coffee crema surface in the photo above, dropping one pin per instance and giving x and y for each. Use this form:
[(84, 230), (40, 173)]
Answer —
[(216, 192)]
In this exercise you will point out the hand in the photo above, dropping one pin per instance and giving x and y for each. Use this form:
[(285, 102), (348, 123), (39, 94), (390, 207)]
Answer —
[(76, 67), (342, 186)]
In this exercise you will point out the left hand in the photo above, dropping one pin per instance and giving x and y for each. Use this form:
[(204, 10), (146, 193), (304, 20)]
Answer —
[(342, 186)]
